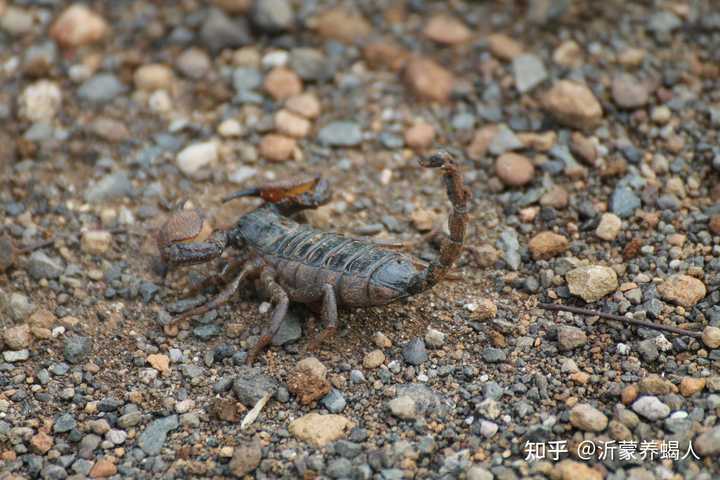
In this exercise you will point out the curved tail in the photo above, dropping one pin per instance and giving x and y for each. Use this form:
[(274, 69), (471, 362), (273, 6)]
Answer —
[(451, 246)]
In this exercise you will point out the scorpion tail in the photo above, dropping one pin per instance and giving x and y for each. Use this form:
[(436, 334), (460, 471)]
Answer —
[(451, 246)]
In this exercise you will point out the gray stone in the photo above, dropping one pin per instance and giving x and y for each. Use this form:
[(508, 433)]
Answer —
[(64, 423), (708, 443), (53, 472), (19, 306), (529, 72), (246, 458), (663, 22), (111, 186), (206, 332), (340, 134), (414, 352), (13, 356), (334, 401), (311, 64), (478, 473), (624, 202), (427, 401), (493, 390), (153, 438), (339, 468), (570, 337), (246, 78), (76, 348), (511, 248), (220, 31), (348, 449), (82, 466), (101, 88), (651, 408), (251, 385), (130, 419), (273, 15), (43, 267), (494, 355), (290, 330), (648, 349), (504, 140), (59, 369)]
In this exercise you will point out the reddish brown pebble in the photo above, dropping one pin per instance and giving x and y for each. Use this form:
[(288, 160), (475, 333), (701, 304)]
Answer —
[(342, 25), (573, 104), (714, 224), (629, 394), (428, 80), (420, 136), (103, 468), (446, 30), (282, 83), (78, 26), (277, 148), (514, 170), (547, 245), (481, 142), (385, 54), (41, 443), (305, 104), (504, 47), (291, 124)]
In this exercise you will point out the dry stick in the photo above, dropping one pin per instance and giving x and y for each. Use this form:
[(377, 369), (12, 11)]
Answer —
[(619, 318)]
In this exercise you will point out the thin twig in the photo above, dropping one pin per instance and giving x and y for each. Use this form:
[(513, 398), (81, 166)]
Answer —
[(619, 318)]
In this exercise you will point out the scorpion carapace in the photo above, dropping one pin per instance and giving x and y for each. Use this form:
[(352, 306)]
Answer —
[(295, 262)]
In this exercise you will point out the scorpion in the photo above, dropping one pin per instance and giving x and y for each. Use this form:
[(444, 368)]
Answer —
[(292, 261)]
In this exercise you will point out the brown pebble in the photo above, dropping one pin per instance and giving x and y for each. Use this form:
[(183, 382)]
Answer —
[(305, 104), (573, 104), (291, 124), (714, 224), (504, 47), (629, 394), (277, 148), (690, 386), (103, 468), (481, 142), (547, 245), (428, 80), (385, 54), (77, 26), (282, 83), (514, 170), (341, 25), (446, 30), (420, 136)]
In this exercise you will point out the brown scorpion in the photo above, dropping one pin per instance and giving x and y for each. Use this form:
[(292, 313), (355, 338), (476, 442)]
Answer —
[(294, 262)]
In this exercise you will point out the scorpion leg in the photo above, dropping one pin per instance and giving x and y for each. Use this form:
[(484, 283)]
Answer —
[(279, 298), (329, 316), (227, 274), (222, 297), (451, 246)]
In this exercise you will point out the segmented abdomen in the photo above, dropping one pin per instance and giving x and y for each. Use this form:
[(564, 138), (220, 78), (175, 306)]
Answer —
[(305, 259)]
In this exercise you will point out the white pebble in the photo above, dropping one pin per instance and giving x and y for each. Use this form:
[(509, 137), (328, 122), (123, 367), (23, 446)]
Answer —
[(196, 156)]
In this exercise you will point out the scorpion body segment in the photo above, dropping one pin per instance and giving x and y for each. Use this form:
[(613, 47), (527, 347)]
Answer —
[(296, 262), (305, 259)]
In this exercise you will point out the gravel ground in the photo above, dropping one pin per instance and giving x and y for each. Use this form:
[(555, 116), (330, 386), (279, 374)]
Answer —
[(587, 133)]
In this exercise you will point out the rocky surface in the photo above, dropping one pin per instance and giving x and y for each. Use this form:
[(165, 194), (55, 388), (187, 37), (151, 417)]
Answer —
[(587, 132)]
